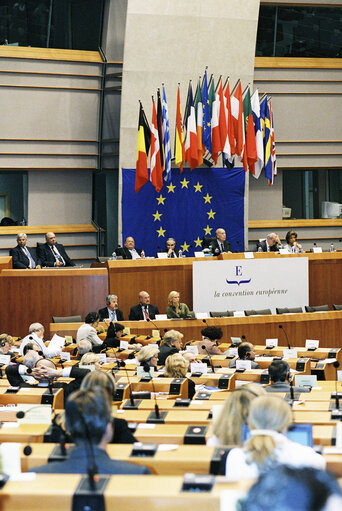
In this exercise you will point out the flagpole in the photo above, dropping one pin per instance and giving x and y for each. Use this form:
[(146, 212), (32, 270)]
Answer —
[(237, 83), (226, 82)]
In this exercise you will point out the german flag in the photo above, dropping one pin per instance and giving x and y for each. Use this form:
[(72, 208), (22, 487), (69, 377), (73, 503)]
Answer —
[(143, 147)]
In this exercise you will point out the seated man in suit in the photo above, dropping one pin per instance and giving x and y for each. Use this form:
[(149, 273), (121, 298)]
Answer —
[(89, 422), (23, 256), (52, 253), (270, 244), (144, 310), (246, 352), (36, 370), (129, 251), (220, 244), (172, 344), (280, 376), (111, 312), (171, 248)]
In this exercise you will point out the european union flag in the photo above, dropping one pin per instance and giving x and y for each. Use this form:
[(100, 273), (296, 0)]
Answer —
[(192, 205)]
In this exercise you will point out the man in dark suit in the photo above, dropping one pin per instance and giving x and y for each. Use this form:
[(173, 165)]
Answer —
[(144, 310), (171, 248), (89, 422), (280, 375), (270, 244), (246, 352), (111, 312), (36, 370), (129, 251), (52, 253), (23, 256), (220, 244)]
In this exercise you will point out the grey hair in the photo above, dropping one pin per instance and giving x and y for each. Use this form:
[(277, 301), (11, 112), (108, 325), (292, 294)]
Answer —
[(30, 359), (271, 235), (84, 346), (34, 327), (109, 298), (21, 235)]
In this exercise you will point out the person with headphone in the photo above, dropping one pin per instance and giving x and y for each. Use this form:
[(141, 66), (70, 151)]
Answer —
[(245, 352), (280, 376)]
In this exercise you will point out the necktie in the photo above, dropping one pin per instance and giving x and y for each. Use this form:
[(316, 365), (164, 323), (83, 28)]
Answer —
[(113, 315), (57, 256), (32, 264), (147, 316)]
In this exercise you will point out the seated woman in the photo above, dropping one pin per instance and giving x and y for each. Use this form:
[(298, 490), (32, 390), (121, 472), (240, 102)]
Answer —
[(226, 425), (175, 308), (88, 329), (268, 420), (148, 355), (292, 244), (176, 367), (121, 432), (6, 343), (208, 344), (90, 359)]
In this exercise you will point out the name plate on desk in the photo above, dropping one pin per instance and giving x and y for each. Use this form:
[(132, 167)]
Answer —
[(198, 367), (317, 250), (124, 345), (5, 360), (35, 414), (305, 380), (103, 358), (271, 343), (141, 373), (249, 255), (65, 356), (192, 349), (292, 353), (311, 344), (161, 317), (201, 315), (232, 352), (245, 365)]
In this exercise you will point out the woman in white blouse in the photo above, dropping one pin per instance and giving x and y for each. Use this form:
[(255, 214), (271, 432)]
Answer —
[(269, 418)]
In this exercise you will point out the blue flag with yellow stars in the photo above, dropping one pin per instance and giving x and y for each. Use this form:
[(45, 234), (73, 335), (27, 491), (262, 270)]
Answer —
[(192, 205)]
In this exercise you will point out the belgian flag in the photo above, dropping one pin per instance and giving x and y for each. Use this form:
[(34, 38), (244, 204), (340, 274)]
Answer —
[(143, 147)]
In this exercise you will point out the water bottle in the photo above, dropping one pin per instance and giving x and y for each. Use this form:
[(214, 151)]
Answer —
[(114, 256), (142, 255), (180, 253), (259, 249), (332, 248), (23, 222)]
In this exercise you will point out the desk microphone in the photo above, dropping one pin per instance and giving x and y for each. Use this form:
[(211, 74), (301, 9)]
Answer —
[(287, 339), (210, 361), (149, 320), (121, 363), (336, 396), (147, 368)]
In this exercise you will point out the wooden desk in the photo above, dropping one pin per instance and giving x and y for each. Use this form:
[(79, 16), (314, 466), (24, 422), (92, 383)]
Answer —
[(32, 395), (28, 296), (160, 276), (324, 326), (185, 458), (123, 493), (5, 263)]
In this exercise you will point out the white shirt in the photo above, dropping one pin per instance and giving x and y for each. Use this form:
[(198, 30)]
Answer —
[(286, 453), (34, 339), (88, 332)]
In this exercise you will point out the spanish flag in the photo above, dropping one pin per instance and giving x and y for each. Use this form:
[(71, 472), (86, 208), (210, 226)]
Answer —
[(179, 138), (143, 147)]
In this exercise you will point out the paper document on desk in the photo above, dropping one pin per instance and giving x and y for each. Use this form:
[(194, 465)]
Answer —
[(56, 344)]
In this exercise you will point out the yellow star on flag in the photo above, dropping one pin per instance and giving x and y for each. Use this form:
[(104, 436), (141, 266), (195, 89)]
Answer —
[(161, 199), (207, 198), (211, 214), (207, 230), (157, 215), (185, 247), (184, 183), (171, 188), (198, 242), (198, 187), (161, 232)]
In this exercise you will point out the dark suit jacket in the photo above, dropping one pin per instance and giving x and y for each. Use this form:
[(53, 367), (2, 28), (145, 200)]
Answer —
[(104, 314), (47, 257), (136, 314), (215, 247), (263, 246), (16, 380), (77, 463), (125, 253), (20, 260), (164, 352), (283, 386)]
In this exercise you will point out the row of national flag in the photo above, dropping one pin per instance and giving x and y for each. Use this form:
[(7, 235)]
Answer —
[(237, 125)]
